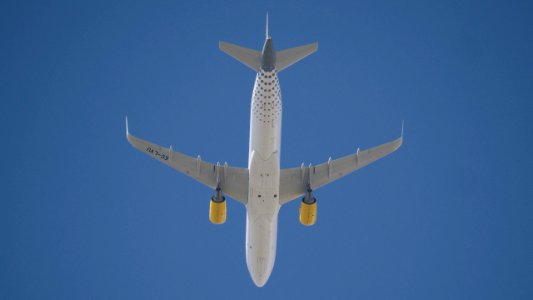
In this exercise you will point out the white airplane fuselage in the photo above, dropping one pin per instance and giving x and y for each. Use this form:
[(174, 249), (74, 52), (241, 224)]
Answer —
[(264, 167)]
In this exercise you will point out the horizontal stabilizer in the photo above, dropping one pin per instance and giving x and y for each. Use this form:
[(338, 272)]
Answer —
[(290, 56), (249, 57)]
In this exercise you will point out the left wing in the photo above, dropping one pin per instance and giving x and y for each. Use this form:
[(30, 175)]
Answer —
[(293, 182), (233, 181)]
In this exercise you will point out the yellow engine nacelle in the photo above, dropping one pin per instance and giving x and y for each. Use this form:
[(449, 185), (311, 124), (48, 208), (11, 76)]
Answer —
[(308, 213), (217, 212)]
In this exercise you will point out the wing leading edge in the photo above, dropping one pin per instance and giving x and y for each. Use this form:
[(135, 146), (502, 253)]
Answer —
[(293, 182), (233, 181)]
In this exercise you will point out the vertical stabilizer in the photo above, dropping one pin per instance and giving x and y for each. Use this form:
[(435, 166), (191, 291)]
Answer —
[(267, 35)]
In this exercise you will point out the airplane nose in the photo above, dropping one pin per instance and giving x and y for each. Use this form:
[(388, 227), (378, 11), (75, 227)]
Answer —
[(259, 279), (260, 272)]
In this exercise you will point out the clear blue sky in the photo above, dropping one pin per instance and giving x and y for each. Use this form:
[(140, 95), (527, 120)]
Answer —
[(83, 215)]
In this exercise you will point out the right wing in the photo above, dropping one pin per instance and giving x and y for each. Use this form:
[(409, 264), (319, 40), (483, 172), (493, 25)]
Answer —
[(233, 181), (293, 182)]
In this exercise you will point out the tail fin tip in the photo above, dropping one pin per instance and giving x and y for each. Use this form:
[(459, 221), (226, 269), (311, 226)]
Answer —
[(267, 34)]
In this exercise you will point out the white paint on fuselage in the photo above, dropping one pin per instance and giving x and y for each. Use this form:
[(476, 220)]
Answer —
[(264, 167)]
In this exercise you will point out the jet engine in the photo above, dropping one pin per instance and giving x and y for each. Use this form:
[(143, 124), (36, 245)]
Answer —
[(217, 208), (308, 209)]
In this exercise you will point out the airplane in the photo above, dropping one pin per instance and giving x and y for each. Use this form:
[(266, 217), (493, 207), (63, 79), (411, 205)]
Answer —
[(263, 187)]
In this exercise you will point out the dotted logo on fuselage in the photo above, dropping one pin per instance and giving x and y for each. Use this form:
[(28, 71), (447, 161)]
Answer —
[(266, 100)]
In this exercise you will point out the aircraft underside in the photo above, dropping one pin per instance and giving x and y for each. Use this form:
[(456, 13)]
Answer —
[(263, 187)]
